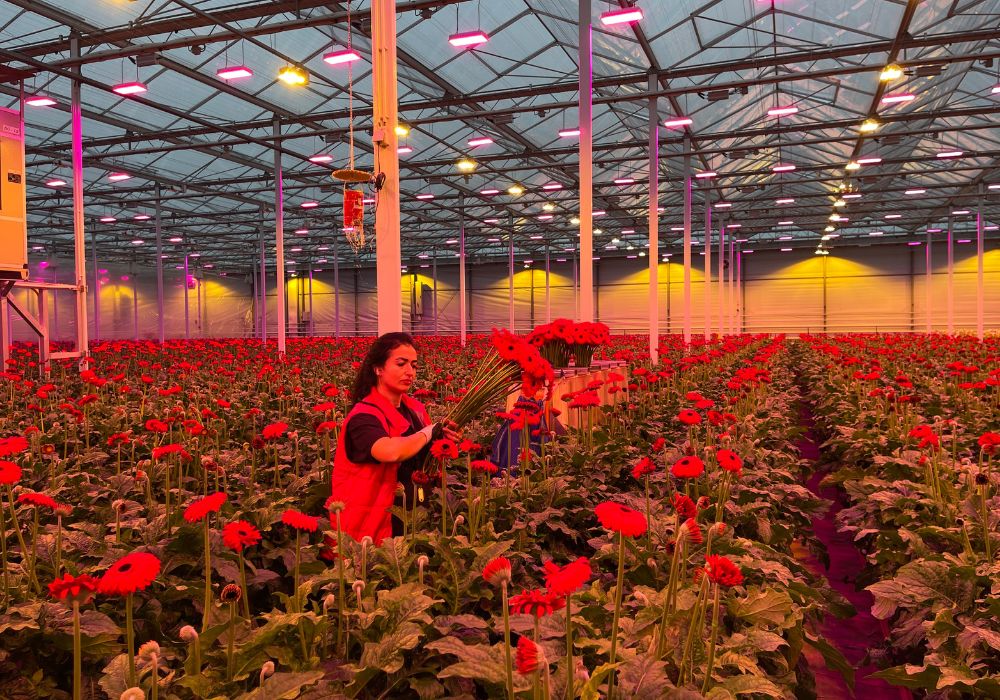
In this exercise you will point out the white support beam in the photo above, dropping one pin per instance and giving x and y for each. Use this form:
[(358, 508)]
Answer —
[(586, 126), (654, 230), (279, 238), (385, 106)]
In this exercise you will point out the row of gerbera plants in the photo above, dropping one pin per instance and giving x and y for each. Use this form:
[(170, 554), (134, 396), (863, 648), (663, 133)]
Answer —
[(913, 428), (199, 555)]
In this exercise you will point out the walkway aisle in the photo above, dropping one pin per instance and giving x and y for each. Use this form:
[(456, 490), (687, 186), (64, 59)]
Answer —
[(855, 635)]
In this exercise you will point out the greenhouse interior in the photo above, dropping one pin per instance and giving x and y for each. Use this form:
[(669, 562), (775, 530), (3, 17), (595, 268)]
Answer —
[(517, 349)]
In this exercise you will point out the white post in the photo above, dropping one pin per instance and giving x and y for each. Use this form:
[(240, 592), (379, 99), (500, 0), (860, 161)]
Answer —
[(79, 242), (97, 287), (654, 225), (721, 280), (708, 265), (161, 325), (462, 310), (741, 313), (135, 302), (586, 127), (927, 278), (731, 287), (336, 291), (187, 309), (510, 274), (950, 313), (279, 237), (687, 240), (389, 260), (312, 319), (263, 289), (434, 288), (548, 287), (979, 266)]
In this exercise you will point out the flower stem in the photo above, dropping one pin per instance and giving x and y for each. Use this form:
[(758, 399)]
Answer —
[(617, 616), (569, 648), (341, 592), (231, 644), (3, 558), (295, 579), (77, 661), (508, 661), (32, 581), (444, 500), (246, 592), (208, 579), (130, 640), (711, 642)]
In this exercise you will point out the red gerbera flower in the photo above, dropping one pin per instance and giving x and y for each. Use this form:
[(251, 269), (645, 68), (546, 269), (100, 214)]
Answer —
[(469, 446), (643, 467), (444, 449), (729, 460), (497, 570), (201, 507), (563, 580), (689, 417), (326, 427), (274, 430), (154, 425), (694, 531), (688, 467), (722, 571), (684, 506), (484, 465), (533, 603), (73, 588), (619, 518), (10, 473), (133, 572), (989, 442), (12, 445), (164, 450), (528, 656), (239, 534), (299, 520), (38, 500), (658, 444)]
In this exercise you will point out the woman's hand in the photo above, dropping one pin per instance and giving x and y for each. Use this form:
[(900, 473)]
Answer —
[(451, 431)]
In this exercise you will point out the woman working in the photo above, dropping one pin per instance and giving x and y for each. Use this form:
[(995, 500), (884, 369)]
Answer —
[(385, 438)]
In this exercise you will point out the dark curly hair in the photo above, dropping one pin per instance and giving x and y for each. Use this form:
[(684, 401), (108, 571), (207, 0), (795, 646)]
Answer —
[(378, 355)]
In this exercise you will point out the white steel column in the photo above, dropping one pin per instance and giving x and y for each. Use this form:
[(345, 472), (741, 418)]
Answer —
[(721, 282), (548, 286), (135, 302), (97, 287), (687, 241), (654, 221), (187, 308), (312, 318), (979, 265), (950, 313), (161, 326), (731, 287), (741, 321), (510, 274), (708, 265), (263, 288), (927, 283), (387, 244), (279, 237), (434, 282), (463, 321), (586, 126), (79, 242), (336, 290)]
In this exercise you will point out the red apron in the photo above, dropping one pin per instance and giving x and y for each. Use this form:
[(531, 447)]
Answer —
[(368, 490)]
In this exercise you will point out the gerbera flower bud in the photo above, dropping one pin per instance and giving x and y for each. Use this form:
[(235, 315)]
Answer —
[(188, 634), (982, 480), (266, 671), (529, 656), (497, 570), (329, 601), (147, 650), (133, 694), (231, 593)]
